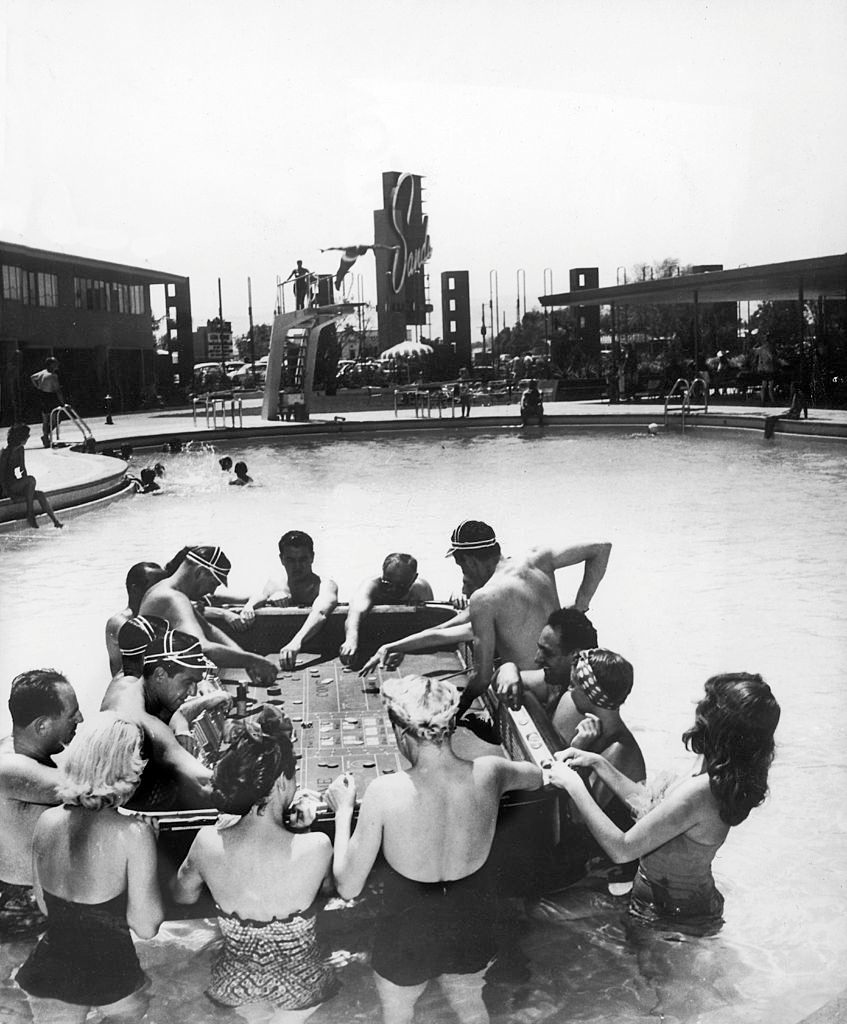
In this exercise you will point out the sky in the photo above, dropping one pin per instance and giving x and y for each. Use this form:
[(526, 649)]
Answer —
[(220, 139)]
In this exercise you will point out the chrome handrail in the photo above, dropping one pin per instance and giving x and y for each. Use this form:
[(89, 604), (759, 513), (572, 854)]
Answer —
[(72, 415)]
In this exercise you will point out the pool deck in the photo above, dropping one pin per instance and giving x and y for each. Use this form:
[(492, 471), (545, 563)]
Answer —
[(76, 482)]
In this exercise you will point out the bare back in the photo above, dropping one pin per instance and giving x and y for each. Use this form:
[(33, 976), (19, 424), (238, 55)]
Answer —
[(520, 596), (82, 855), (439, 825), (19, 814), (261, 873)]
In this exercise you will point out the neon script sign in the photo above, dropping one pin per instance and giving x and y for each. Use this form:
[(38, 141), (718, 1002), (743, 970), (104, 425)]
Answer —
[(409, 257)]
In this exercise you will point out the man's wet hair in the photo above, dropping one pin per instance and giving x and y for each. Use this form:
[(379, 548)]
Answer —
[(35, 694), (143, 575), (177, 560), (399, 560), (573, 628), (296, 539), (240, 469), (225, 463)]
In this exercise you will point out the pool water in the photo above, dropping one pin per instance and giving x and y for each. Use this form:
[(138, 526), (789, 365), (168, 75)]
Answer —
[(728, 554)]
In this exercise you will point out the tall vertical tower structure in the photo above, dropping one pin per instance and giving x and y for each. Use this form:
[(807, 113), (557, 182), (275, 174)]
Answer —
[(401, 236), (587, 317), (456, 313)]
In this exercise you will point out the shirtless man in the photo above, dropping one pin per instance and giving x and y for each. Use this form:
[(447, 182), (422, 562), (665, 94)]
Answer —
[(173, 664), (201, 572), (434, 824), (298, 586), (46, 383), (45, 714), (398, 584), (139, 580), (510, 601)]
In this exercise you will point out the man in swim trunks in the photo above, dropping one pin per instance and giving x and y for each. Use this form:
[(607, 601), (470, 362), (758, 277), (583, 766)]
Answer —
[(139, 580), (510, 601), (45, 714), (398, 584), (435, 825), (173, 664), (201, 572), (46, 383), (297, 586)]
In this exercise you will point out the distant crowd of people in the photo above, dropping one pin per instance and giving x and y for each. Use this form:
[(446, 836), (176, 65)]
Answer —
[(81, 872)]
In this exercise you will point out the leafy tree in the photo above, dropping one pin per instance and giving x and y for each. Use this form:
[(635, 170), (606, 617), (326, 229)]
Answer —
[(262, 339)]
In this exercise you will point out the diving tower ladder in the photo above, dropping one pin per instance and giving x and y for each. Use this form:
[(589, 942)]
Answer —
[(301, 328)]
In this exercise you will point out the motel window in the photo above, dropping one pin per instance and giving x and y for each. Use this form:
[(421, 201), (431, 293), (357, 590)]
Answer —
[(452, 326), (48, 290), (452, 305), (30, 287), (582, 323), (451, 282), (582, 280)]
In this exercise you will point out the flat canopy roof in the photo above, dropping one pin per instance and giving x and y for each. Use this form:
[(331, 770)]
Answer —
[(9, 250), (822, 276)]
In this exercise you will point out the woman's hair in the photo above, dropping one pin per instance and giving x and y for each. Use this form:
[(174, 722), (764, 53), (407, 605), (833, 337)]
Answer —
[(102, 764), (16, 433), (258, 753), (733, 729), (425, 708)]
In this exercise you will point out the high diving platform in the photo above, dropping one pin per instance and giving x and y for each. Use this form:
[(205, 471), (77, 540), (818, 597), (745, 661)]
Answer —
[(300, 331)]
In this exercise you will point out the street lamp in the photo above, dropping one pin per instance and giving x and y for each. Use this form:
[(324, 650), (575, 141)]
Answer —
[(548, 290), (494, 308), (520, 272)]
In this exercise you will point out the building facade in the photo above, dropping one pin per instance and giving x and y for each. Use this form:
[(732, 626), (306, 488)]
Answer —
[(95, 318), (456, 313)]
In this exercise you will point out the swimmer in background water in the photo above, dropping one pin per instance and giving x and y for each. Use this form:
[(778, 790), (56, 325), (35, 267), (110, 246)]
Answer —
[(226, 464), (241, 477), (681, 827)]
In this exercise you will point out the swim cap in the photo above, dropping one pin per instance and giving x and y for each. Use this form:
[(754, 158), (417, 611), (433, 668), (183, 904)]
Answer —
[(471, 535), (136, 634), (212, 559), (603, 676), (177, 648)]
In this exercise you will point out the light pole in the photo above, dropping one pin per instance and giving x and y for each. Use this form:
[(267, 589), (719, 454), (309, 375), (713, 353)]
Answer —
[(548, 290), (494, 309), (518, 290)]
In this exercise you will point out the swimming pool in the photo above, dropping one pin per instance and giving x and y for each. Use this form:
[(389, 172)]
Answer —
[(728, 553)]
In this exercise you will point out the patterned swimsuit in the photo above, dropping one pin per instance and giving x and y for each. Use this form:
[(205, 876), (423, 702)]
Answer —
[(276, 961)]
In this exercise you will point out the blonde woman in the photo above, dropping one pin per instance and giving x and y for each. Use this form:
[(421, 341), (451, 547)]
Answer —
[(95, 878), (435, 825)]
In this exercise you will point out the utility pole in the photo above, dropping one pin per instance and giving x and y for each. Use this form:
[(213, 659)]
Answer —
[(250, 315)]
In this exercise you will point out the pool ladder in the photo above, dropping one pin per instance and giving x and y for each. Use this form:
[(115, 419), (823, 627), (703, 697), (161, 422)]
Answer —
[(685, 393), (73, 417)]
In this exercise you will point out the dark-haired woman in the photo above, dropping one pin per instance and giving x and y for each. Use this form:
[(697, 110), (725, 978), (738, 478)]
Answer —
[(264, 880), (681, 829), (15, 482)]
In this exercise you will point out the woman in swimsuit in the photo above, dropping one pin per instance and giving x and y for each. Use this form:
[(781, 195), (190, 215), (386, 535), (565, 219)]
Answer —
[(435, 824), (264, 880), (15, 482), (95, 878), (680, 829)]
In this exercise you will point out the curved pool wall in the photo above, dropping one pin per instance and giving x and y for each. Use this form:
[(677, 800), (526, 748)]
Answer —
[(728, 553)]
